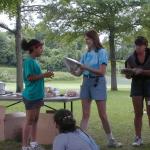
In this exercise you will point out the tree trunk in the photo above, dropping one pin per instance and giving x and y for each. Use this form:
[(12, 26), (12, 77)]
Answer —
[(113, 60), (19, 77)]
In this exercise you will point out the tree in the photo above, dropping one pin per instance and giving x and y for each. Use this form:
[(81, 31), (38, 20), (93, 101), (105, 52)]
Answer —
[(7, 48), (126, 40), (111, 17), (14, 8), (3, 47), (144, 20)]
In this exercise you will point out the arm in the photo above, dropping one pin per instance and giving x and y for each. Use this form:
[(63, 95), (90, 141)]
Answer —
[(100, 71), (29, 71), (35, 77), (139, 71), (41, 76), (77, 72), (146, 72)]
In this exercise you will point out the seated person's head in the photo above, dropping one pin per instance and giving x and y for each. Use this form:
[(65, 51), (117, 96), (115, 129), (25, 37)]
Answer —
[(64, 121)]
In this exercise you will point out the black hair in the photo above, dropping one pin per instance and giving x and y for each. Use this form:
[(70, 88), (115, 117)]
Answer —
[(28, 46), (64, 119), (140, 40)]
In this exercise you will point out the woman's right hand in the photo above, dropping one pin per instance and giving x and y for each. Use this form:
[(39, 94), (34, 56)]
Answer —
[(48, 74), (128, 76), (137, 71), (83, 67)]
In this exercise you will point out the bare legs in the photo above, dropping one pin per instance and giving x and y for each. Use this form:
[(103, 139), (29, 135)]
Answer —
[(138, 110), (30, 128), (101, 106), (86, 109)]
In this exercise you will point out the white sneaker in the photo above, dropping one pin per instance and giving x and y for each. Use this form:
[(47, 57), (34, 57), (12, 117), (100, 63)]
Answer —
[(137, 142), (114, 144), (27, 148), (38, 147)]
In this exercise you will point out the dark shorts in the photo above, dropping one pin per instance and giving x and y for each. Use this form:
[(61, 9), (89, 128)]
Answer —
[(140, 87), (29, 105)]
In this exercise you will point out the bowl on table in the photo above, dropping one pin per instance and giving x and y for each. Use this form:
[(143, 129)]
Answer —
[(49, 92), (72, 93)]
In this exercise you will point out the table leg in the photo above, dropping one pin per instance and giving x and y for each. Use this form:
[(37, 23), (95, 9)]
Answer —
[(71, 106), (50, 107), (64, 105), (13, 104)]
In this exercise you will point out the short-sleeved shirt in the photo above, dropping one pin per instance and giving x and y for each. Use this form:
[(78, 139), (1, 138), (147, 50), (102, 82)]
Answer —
[(140, 85), (34, 90), (94, 59), (73, 141), (133, 62)]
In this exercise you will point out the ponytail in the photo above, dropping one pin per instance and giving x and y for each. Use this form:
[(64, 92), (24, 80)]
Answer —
[(64, 119), (24, 45), (29, 46)]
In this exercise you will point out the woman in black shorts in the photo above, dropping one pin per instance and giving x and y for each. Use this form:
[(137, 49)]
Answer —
[(139, 61), (33, 92)]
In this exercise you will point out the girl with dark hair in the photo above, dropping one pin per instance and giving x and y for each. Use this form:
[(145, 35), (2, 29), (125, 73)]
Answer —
[(33, 93), (139, 63), (93, 68), (71, 137)]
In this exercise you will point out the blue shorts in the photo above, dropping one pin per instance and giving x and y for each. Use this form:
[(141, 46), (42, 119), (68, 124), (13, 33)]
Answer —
[(29, 105), (91, 89)]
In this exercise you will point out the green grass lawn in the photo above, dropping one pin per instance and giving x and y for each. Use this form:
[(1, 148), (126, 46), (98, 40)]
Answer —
[(120, 112)]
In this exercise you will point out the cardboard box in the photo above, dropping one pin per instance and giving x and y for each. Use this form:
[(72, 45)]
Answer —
[(14, 123), (46, 129), (2, 116), (11, 126)]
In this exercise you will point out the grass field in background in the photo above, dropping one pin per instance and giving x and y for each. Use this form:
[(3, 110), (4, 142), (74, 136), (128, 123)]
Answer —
[(8, 74), (120, 114)]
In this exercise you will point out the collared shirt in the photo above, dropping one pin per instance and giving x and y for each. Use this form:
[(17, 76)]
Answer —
[(94, 59), (76, 140)]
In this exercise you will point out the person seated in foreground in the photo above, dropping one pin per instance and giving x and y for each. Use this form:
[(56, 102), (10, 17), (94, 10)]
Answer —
[(71, 137)]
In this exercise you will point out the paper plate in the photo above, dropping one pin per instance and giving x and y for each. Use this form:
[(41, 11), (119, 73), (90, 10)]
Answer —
[(72, 64), (127, 71)]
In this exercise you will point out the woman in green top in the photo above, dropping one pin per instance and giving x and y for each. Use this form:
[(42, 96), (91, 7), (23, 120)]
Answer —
[(33, 93)]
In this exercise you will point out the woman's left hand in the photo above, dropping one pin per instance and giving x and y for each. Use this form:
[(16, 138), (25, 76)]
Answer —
[(137, 71)]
